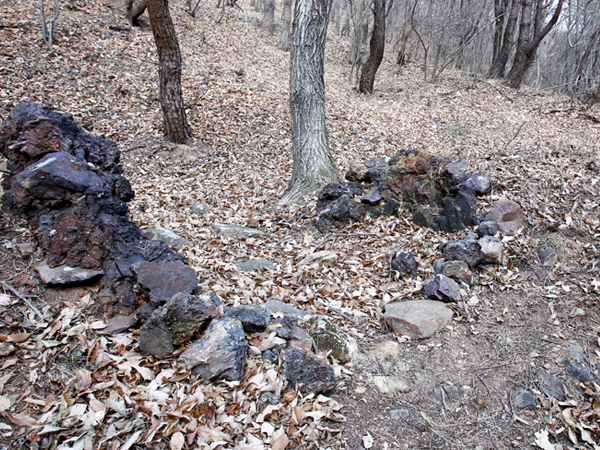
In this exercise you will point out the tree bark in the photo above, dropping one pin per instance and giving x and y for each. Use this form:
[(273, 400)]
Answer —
[(529, 41), (313, 165), (169, 72), (498, 69), (376, 46), (269, 15), (286, 23)]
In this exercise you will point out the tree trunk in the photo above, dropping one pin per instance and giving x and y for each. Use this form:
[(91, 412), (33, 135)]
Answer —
[(377, 47), (286, 23), (529, 42), (500, 9), (313, 166), (269, 15), (498, 69), (401, 59), (169, 72), (134, 9)]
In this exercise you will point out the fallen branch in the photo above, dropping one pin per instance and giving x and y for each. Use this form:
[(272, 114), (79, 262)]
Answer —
[(25, 300), (589, 116)]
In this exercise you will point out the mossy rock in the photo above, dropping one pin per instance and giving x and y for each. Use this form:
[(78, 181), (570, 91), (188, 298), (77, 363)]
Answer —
[(328, 337)]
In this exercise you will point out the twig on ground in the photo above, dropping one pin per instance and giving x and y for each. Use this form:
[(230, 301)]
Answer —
[(25, 300), (344, 315), (486, 386), (515, 136)]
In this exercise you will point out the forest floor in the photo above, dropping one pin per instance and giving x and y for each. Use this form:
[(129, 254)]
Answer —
[(62, 383)]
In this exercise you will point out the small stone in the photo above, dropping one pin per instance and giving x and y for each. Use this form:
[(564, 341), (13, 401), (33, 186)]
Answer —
[(458, 171), (396, 414), (236, 231), (199, 208), (275, 306), (391, 207), (479, 182), (491, 249), (468, 251), (453, 215), (144, 312), (372, 197), (579, 372), (458, 270), (323, 257), (548, 257), (438, 265), (301, 339), (118, 324), (405, 263), (386, 350), (357, 172), (169, 237), (156, 340), (25, 248), (270, 355), (467, 202), (306, 371), (65, 274), (219, 353), (423, 217), (389, 384), (442, 288), (552, 386), (256, 264), (508, 215), (328, 338), (417, 318), (254, 318), (487, 229), (269, 398), (165, 279), (523, 399)]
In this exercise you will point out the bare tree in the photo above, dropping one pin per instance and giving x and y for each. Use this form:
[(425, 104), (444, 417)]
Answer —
[(313, 165), (286, 23), (48, 34), (169, 72), (268, 20), (377, 47)]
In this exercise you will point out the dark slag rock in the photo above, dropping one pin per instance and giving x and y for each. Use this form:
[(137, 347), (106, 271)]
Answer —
[(487, 229), (303, 369), (405, 263), (468, 251), (467, 202), (478, 182), (333, 191), (442, 288), (391, 207), (162, 280), (579, 371), (454, 216), (523, 399), (254, 318), (372, 197)]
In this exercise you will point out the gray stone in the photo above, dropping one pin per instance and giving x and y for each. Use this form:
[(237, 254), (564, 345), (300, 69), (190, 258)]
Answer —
[(275, 306), (162, 280), (169, 237), (118, 324), (256, 264), (301, 339), (199, 208), (458, 171), (468, 251), (269, 398), (479, 182), (328, 338), (386, 350), (467, 202), (307, 372), (254, 318), (423, 217), (156, 340), (357, 172), (458, 271), (438, 265), (65, 274), (417, 318), (552, 386), (523, 399), (390, 384), (396, 414), (508, 215), (372, 197), (548, 257), (323, 257), (236, 231), (491, 249), (579, 371), (219, 353), (405, 263), (144, 312), (442, 288), (487, 229), (391, 207)]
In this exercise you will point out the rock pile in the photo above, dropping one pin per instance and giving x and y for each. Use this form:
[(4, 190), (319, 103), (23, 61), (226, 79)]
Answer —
[(442, 195)]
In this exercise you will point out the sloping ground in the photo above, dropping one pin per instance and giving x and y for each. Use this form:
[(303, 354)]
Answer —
[(541, 150)]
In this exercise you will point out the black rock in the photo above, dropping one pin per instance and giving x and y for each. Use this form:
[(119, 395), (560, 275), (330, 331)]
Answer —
[(391, 207), (442, 288), (334, 191), (309, 373), (405, 263), (467, 202), (438, 265), (478, 182), (579, 372), (372, 197), (487, 229), (378, 168), (454, 216), (523, 399), (468, 251), (423, 217), (254, 318), (552, 386), (457, 171), (162, 280)]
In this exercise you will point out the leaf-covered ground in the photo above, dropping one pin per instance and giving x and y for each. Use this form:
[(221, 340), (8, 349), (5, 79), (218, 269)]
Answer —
[(64, 383)]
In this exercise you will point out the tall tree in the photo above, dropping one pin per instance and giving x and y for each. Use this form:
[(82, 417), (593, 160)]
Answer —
[(313, 165), (268, 21), (169, 72), (376, 47), (286, 23), (530, 37)]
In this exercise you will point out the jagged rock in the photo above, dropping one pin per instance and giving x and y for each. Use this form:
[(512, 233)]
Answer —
[(163, 280), (467, 202), (458, 271), (386, 350), (342, 210), (390, 384), (453, 215), (219, 353), (144, 312), (508, 215), (417, 318), (328, 338), (378, 168), (236, 231), (391, 207), (523, 399), (491, 249), (552, 386), (156, 339), (458, 171), (442, 288), (438, 265), (65, 274), (199, 208), (118, 324), (169, 237), (357, 172), (335, 191), (468, 251), (307, 372), (478, 182), (487, 229), (579, 371), (274, 306), (256, 264), (405, 263), (254, 318), (324, 257), (423, 217), (372, 197)]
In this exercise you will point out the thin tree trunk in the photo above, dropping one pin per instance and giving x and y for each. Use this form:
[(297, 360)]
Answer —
[(286, 23), (169, 72), (377, 47), (269, 15), (313, 166), (401, 59), (498, 69)]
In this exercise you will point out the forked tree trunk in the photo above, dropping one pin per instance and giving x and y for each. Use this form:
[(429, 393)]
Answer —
[(268, 20), (313, 164), (286, 23), (169, 72), (376, 46)]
